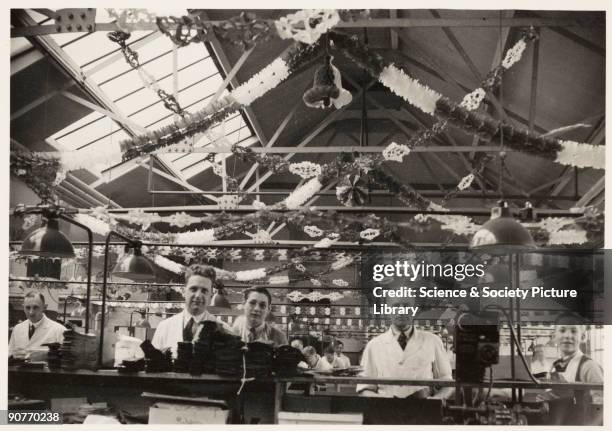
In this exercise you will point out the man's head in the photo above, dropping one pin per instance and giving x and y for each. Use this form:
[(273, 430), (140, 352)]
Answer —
[(199, 281), (401, 321), (310, 354), (570, 331), (257, 305), (34, 306), (338, 347), (329, 353), (298, 344)]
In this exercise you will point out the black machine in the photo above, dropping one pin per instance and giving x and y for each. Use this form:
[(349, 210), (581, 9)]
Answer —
[(476, 344)]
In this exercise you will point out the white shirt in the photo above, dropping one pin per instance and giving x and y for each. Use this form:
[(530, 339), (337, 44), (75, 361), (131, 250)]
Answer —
[(341, 361), (169, 332), (322, 364), (47, 331), (424, 357)]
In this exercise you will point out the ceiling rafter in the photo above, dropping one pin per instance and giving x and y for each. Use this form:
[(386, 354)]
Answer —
[(482, 22)]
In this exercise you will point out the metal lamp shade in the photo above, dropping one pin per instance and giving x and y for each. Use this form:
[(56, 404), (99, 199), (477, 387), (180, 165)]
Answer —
[(48, 241), (134, 266), (502, 234), (219, 300)]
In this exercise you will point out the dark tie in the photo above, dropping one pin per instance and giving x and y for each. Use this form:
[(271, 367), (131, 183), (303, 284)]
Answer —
[(560, 365), (402, 340), (252, 335), (31, 330), (188, 330)]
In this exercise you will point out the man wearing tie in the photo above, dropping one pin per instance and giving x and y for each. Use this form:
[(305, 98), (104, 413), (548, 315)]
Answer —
[(29, 335), (184, 326), (253, 325), (404, 352)]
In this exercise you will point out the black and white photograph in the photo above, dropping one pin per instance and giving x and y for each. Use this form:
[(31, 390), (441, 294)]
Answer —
[(284, 216)]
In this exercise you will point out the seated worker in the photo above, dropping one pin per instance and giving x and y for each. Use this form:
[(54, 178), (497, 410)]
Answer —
[(575, 366), (404, 352), (341, 361), (328, 360), (184, 326), (298, 344), (314, 361), (253, 326), (29, 335)]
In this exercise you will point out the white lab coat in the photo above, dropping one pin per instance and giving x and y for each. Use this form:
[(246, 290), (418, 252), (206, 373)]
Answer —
[(48, 331), (170, 331), (423, 358)]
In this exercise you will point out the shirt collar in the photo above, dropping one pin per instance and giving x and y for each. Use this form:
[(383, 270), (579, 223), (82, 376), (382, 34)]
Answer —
[(39, 323), (199, 318), (409, 332)]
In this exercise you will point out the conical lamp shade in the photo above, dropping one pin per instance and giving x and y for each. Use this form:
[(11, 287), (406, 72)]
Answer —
[(134, 266), (219, 300), (47, 241), (502, 234)]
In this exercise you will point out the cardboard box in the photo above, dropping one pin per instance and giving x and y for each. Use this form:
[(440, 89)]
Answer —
[(168, 413)]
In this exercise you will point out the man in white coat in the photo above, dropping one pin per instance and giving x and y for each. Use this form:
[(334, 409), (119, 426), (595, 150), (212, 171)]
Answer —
[(29, 336), (404, 352), (184, 326)]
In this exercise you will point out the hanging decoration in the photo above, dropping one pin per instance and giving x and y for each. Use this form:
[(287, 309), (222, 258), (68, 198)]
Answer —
[(316, 296), (395, 152), (148, 80), (352, 191), (327, 88), (299, 196), (307, 26), (485, 127), (305, 169)]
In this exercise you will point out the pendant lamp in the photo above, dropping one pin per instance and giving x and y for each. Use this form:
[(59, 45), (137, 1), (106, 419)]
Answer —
[(502, 234), (133, 265), (219, 299), (48, 241)]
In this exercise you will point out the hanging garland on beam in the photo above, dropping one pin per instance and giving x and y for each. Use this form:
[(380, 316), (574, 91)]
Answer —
[(271, 76), (433, 103)]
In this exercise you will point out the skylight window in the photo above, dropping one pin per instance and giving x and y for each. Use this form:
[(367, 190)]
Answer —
[(190, 70)]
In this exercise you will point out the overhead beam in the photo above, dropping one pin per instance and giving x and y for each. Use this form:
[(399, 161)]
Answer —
[(349, 148), (473, 211), (482, 22), (593, 192), (123, 120), (215, 46), (313, 133)]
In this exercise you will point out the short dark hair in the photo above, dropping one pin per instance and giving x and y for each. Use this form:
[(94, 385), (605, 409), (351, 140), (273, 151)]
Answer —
[(201, 270), (329, 349), (258, 289), (34, 294), (338, 343)]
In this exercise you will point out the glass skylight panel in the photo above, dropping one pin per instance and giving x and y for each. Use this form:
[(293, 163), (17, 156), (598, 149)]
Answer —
[(89, 133)]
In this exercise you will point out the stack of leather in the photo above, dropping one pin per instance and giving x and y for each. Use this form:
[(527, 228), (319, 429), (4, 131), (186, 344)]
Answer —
[(259, 358), (54, 358), (156, 361), (228, 351), (184, 356), (286, 359), (79, 351), (203, 356)]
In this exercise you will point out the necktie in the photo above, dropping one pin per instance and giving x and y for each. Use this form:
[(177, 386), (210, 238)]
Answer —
[(560, 365), (31, 330), (188, 330), (252, 335), (402, 340)]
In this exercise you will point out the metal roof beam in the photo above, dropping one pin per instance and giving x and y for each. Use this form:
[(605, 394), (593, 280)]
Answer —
[(482, 22)]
